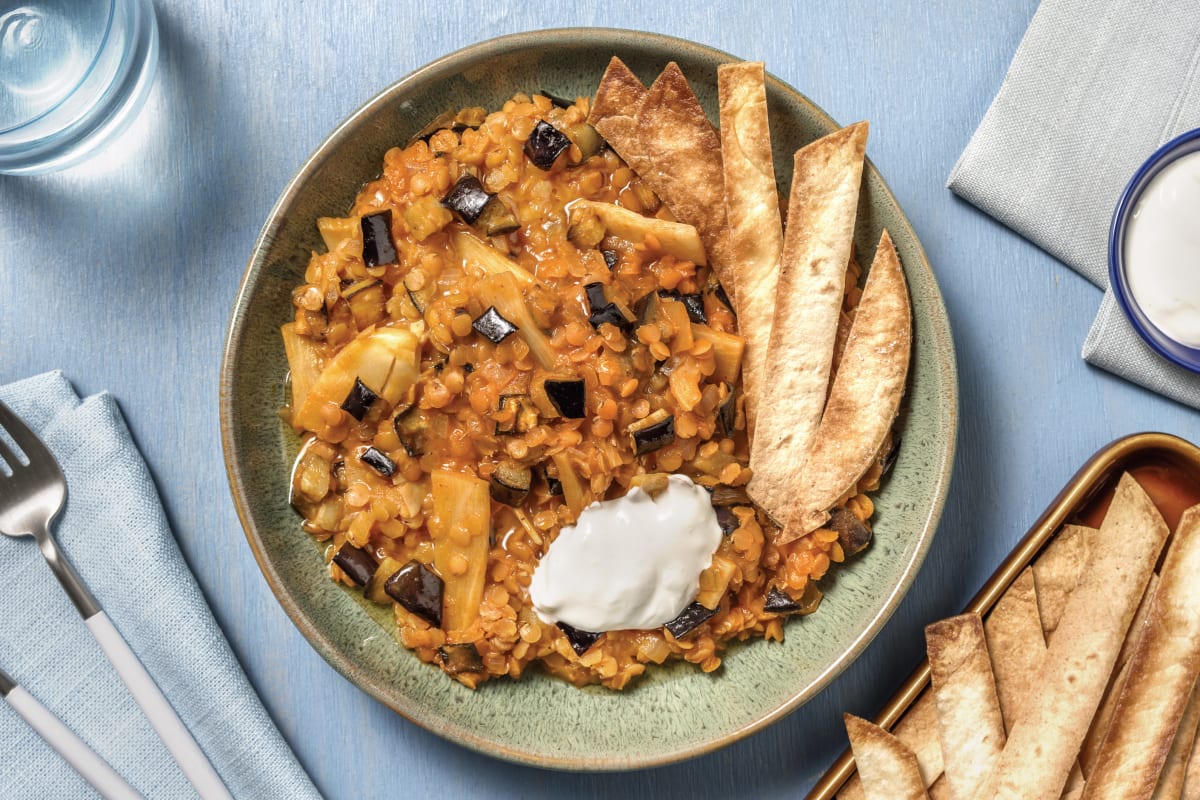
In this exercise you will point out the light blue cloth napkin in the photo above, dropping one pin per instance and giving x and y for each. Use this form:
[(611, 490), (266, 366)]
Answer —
[(1095, 87), (115, 532)]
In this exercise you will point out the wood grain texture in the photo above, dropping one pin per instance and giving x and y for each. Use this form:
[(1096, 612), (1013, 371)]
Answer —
[(160, 229)]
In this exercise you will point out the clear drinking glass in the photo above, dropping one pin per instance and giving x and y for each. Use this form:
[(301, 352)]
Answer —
[(73, 74)]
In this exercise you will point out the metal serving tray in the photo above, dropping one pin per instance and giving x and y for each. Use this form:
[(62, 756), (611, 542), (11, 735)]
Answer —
[(1167, 467)]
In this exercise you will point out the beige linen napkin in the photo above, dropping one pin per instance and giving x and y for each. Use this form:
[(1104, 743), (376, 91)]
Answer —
[(1095, 87)]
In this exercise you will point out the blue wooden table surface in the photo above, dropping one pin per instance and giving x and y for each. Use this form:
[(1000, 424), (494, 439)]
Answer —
[(122, 273)]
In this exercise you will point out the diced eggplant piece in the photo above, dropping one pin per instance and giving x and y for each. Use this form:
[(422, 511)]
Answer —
[(449, 120), (727, 412), (359, 401), (460, 658), (595, 295), (378, 247), (653, 432), (723, 495), (378, 461), (492, 326), (356, 563), (555, 99), (545, 144), (525, 414), (780, 602), (419, 298), (467, 198), (580, 640), (611, 258), (648, 309), (689, 619), (510, 484), (419, 590), (587, 139), (602, 310), (724, 298), (727, 520), (553, 485), (411, 429), (498, 219), (694, 303), (568, 396), (889, 460), (853, 533)]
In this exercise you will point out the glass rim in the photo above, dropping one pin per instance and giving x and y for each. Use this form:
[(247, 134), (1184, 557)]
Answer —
[(108, 25)]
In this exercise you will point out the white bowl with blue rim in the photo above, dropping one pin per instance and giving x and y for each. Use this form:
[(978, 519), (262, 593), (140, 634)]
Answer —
[(1185, 354)]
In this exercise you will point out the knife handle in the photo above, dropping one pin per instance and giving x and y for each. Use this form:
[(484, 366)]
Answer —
[(74, 750), (158, 710)]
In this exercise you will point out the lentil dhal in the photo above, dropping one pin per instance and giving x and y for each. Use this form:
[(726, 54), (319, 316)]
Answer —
[(478, 356)]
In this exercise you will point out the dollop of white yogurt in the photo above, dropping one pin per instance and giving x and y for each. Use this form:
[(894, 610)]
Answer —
[(1162, 250), (631, 563)]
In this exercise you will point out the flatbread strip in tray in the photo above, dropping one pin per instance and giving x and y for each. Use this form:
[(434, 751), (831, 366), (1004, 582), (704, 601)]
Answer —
[(669, 142), (888, 768), (752, 208), (824, 202), (1042, 746), (1172, 780), (1162, 672), (970, 728), (864, 399)]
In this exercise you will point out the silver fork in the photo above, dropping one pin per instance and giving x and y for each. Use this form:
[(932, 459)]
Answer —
[(30, 498)]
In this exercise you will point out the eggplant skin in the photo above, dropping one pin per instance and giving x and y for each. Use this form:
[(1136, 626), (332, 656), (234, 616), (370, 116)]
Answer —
[(780, 602), (356, 563), (460, 658), (378, 247), (654, 436), (568, 396), (727, 520), (492, 326), (378, 461), (545, 144), (689, 619), (359, 400), (419, 590), (467, 198), (580, 640), (853, 533)]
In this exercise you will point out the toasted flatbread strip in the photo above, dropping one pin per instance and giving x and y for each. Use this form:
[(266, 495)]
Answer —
[(1056, 572), (1014, 640), (752, 209), (1108, 704), (681, 161), (888, 769), (1170, 782), (616, 103), (864, 399), (970, 727), (1191, 777), (940, 790), (1162, 672), (1042, 746), (917, 729), (808, 300)]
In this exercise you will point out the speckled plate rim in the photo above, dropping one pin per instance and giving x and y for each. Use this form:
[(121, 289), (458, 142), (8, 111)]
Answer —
[(939, 476)]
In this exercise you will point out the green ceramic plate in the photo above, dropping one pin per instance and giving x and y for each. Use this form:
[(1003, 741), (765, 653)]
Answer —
[(672, 713)]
